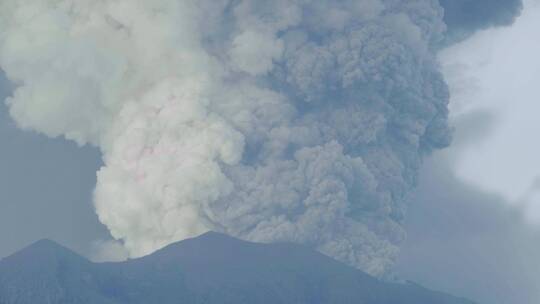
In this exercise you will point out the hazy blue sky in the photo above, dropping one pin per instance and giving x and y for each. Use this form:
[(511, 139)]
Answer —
[(474, 224), (45, 188)]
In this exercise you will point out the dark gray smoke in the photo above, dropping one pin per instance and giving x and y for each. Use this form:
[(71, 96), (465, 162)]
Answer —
[(464, 17)]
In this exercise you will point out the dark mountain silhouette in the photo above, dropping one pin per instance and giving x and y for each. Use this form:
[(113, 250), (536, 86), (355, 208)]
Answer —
[(212, 268)]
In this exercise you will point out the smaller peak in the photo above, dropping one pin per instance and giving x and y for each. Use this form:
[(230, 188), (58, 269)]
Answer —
[(43, 249), (45, 244)]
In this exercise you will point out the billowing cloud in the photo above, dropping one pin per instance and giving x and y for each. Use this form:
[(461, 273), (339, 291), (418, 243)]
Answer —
[(269, 120), (464, 17)]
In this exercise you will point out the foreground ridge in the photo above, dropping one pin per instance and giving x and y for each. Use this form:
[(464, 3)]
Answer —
[(211, 268)]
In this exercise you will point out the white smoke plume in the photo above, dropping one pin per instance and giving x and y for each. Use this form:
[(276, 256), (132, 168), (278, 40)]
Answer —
[(286, 120)]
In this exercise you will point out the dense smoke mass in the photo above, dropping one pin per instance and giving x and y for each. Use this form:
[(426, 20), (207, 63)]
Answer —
[(302, 121), (466, 16)]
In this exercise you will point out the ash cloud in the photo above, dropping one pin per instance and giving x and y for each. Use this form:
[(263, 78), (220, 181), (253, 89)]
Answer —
[(302, 121), (464, 17)]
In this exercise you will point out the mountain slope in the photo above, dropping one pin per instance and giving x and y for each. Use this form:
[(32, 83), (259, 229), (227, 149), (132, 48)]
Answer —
[(212, 268), (46, 272)]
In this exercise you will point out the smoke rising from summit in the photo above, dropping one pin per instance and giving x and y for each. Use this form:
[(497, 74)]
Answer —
[(302, 121)]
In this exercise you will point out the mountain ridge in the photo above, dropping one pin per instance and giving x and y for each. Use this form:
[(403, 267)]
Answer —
[(210, 268)]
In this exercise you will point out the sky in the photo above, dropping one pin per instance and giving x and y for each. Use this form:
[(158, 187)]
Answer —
[(45, 188), (503, 71), (479, 197), (487, 243)]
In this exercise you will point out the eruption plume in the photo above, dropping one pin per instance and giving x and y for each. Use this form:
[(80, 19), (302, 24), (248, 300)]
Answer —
[(286, 120)]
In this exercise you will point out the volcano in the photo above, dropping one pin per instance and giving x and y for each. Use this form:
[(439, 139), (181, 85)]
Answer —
[(211, 268)]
